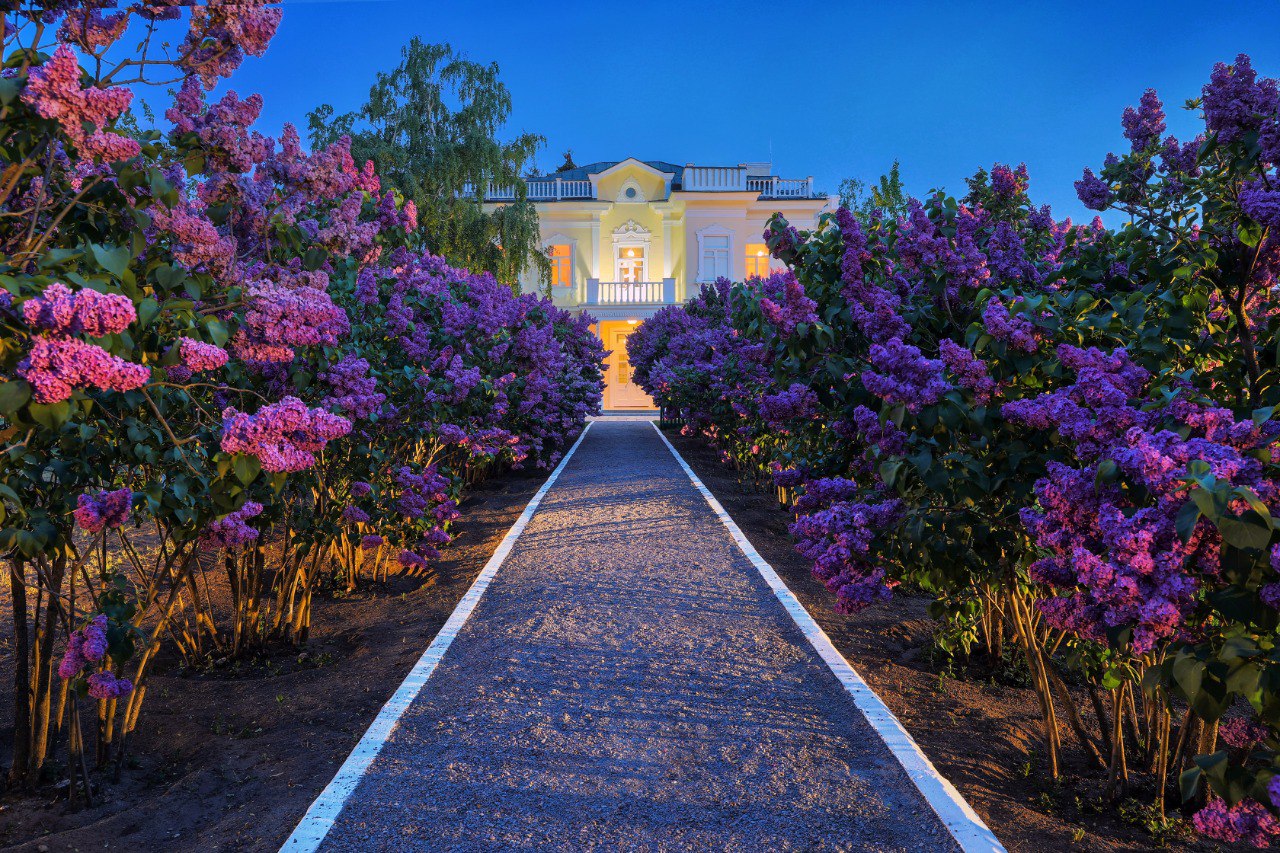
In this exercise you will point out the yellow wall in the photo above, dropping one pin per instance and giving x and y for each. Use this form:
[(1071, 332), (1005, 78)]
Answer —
[(742, 214)]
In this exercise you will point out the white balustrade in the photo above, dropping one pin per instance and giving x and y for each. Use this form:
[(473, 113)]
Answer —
[(773, 187), (631, 292), (540, 190), (715, 178), (696, 179)]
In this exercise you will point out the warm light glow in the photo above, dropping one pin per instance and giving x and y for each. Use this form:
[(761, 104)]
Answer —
[(633, 322), (561, 265), (756, 261), (631, 253)]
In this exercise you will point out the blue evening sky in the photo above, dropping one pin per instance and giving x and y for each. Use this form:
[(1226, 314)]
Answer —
[(832, 89)]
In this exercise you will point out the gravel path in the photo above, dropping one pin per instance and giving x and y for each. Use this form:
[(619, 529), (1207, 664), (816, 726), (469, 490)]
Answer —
[(630, 682)]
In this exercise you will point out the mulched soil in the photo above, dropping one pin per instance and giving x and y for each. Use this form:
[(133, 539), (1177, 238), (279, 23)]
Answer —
[(230, 760), (981, 731)]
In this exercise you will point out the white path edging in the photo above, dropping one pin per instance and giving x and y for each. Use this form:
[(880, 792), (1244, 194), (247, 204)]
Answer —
[(319, 819), (964, 824)]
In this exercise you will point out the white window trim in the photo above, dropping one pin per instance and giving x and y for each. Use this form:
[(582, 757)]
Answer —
[(705, 275), (631, 235)]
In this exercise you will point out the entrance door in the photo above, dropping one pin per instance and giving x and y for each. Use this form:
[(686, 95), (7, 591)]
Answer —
[(620, 391)]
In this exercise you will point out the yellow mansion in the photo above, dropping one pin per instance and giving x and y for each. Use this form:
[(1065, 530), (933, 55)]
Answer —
[(626, 238)]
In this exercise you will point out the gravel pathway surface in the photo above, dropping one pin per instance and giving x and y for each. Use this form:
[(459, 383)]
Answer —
[(628, 681)]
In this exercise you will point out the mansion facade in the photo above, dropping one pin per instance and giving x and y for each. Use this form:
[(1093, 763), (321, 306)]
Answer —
[(626, 238)]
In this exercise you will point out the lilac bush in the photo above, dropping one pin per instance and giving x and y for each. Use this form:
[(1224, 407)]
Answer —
[(235, 342), (1063, 432)]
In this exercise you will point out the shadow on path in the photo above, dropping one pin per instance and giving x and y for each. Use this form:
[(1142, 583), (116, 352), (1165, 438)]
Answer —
[(630, 682)]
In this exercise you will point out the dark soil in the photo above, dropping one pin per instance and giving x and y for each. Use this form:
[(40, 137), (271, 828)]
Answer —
[(981, 730), (231, 759)]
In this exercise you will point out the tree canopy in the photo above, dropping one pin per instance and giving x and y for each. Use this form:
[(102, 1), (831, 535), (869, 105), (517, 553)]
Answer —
[(431, 128), (887, 196)]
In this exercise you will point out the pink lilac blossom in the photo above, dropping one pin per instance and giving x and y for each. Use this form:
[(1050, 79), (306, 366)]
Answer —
[(1242, 732), (222, 34), (106, 686), (284, 436), (1247, 821), (105, 509), (86, 646), (59, 311), (90, 29), (280, 318), (56, 367), (232, 531), (198, 356), (53, 90)]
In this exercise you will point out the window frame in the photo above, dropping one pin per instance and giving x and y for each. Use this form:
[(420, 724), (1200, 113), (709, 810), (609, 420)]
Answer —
[(707, 272)]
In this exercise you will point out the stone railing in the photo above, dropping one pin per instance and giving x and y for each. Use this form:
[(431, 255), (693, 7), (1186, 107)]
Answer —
[(541, 190), (631, 292), (772, 187)]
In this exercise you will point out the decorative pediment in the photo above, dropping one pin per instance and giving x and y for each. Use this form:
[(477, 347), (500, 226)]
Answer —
[(631, 192), (631, 232)]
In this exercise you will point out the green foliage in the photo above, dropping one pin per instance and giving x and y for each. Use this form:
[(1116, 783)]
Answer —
[(431, 127), (888, 197)]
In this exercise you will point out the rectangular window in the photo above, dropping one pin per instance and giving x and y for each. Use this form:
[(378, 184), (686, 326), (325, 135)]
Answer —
[(757, 261), (561, 265), (715, 258)]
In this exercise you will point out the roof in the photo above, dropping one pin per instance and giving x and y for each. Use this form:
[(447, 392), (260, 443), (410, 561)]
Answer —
[(583, 173)]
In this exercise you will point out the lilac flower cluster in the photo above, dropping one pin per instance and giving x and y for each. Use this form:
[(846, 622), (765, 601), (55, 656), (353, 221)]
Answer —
[(232, 530), (284, 436), (1247, 821), (86, 646), (353, 391), (798, 402), (836, 532), (105, 509), (53, 90), (1143, 126), (899, 373), (198, 356), (1009, 183), (1014, 329), (1117, 563), (795, 307)]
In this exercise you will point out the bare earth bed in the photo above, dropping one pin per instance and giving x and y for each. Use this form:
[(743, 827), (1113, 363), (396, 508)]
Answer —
[(231, 759), (982, 734)]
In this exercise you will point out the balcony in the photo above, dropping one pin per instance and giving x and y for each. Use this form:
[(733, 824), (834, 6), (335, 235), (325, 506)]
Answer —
[(721, 179), (548, 190), (695, 179), (631, 293)]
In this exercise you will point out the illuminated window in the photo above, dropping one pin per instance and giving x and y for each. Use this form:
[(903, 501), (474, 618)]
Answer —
[(631, 263), (757, 260), (561, 265)]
